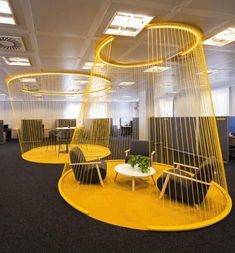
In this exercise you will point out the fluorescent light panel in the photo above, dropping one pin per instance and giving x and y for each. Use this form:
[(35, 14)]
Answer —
[(126, 83), (90, 65), (28, 80), (126, 96), (127, 24), (157, 69), (80, 81), (209, 72), (17, 61), (4, 7), (7, 20), (222, 38), (111, 91), (6, 15)]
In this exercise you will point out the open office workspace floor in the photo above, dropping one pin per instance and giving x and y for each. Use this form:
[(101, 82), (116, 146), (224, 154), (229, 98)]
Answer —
[(34, 218)]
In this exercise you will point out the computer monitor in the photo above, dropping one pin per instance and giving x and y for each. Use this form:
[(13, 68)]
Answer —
[(5, 127)]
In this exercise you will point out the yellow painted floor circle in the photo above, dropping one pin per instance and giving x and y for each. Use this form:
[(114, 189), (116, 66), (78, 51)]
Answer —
[(50, 154), (117, 204)]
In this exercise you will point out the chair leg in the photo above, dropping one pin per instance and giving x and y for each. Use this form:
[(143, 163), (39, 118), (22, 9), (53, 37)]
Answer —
[(99, 175), (153, 180), (115, 177), (164, 186)]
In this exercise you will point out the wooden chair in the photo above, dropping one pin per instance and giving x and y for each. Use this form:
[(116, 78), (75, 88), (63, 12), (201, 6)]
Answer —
[(91, 172), (187, 184)]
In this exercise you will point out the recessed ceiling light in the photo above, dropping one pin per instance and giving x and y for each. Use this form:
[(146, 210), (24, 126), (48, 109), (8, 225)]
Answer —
[(127, 24), (4, 7), (90, 65), (126, 96), (17, 61), (28, 80), (111, 91), (126, 83), (222, 38), (209, 72), (157, 69), (80, 81), (213, 71), (7, 20)]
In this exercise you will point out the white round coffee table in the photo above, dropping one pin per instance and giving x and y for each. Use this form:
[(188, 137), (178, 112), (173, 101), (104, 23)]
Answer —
[(127, 170)]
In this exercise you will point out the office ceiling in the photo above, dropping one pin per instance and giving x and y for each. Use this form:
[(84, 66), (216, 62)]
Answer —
[(62, 34)]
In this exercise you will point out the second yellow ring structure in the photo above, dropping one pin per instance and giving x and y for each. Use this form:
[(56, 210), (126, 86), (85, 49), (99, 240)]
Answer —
[(192, 31), (47, 111)]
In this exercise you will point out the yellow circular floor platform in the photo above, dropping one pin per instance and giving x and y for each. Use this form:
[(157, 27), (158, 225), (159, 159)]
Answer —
[(50, 155), (117, 204)]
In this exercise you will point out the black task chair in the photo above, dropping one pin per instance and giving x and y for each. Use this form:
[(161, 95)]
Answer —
[(180, 184), (138, 147), (92, 172)]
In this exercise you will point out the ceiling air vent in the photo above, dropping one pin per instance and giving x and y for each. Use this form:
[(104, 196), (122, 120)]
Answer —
[(11, 43)]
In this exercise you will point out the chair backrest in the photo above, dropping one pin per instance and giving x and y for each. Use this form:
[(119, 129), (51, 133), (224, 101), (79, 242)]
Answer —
[(139, 147), (76, 156), (206, 170)]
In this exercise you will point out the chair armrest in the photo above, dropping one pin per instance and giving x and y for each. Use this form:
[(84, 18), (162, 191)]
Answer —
[(186, 165), (185, 177), (127, 151), (86, 163)]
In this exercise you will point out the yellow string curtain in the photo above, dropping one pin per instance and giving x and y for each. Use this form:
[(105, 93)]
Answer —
[(46, 108), (176, 116)]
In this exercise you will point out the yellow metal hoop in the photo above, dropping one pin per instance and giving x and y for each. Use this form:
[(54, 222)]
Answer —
[(194, 31), (112, 63), (9, 81)]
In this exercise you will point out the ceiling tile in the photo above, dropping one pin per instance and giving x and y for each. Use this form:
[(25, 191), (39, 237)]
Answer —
[(67, 17), (57, 63), (227, 6), (203, 23), (59, 46)]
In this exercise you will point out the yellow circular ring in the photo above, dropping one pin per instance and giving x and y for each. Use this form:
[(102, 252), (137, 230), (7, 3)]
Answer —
[(196, 32), (44, 92)]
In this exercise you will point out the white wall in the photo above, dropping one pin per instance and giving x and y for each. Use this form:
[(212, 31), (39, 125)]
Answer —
[(186, 105), (232, 102), (220, 98), (58, 110)]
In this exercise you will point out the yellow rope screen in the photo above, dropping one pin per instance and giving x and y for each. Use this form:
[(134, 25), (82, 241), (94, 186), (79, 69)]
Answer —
[(46, 108), (175, 116), (159, 94)]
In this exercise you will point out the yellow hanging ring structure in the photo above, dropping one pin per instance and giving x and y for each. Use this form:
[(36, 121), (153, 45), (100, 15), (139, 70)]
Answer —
[(99, 78), (196, 33)]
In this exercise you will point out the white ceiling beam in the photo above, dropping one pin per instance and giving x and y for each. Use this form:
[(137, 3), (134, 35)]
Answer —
[(56, 35), (98, 19), (28, 15), (144, 4)]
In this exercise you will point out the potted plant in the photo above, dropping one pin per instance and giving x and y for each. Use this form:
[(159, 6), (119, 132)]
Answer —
[(141, 161)]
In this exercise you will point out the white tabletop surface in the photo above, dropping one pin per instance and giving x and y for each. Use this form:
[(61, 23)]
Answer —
[(65, 128), (127, 170)]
